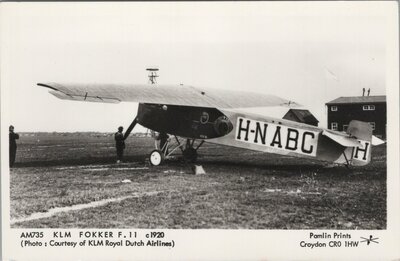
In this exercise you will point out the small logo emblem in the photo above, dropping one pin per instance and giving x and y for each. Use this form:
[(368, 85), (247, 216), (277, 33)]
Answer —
[(204, 117), (370, 239)]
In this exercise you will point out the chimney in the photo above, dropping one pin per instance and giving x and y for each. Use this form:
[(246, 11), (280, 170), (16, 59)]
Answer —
[(369, 91), (363, 91)]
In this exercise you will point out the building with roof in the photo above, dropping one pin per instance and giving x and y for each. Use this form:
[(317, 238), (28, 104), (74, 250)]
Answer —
[(303, 116), (370, 109)]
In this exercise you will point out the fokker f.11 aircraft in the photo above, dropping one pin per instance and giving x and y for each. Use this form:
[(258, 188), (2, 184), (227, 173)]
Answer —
[(218, 116)]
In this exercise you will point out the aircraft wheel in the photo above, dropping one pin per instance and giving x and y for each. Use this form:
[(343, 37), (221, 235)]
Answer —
[(156, 157), (190, 155)]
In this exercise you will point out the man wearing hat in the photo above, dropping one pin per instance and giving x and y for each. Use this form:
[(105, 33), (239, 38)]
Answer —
[(13, 144), (119, 143)]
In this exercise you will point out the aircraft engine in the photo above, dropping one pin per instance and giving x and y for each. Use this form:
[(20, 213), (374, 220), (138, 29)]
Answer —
[(222, 126)]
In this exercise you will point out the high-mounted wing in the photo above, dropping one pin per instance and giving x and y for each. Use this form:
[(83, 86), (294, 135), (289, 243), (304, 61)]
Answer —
[(164, 94)]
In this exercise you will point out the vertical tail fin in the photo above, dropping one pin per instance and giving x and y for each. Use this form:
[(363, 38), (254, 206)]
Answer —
[(362, 131)]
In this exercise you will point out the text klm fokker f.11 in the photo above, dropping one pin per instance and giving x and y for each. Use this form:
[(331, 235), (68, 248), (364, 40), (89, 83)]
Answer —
[(217, 116)]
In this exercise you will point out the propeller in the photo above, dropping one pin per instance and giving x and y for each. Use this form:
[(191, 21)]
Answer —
[(130, 128)]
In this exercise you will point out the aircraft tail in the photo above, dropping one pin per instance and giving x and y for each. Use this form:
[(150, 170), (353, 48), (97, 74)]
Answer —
[(362, 131)]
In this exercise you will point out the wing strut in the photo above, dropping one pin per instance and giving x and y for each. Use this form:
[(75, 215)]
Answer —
[(130, 128), (347, 161)]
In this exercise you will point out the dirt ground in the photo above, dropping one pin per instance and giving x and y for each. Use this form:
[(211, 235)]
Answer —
[(241, 188)]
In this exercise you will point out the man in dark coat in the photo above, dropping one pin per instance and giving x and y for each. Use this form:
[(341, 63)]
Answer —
[(119, 144), (13, 144)]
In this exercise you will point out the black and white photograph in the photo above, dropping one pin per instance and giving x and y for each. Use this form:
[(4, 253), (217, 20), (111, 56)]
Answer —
[(200, 117)]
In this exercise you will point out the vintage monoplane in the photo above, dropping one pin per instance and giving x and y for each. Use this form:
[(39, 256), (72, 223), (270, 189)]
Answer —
[(218, 116)]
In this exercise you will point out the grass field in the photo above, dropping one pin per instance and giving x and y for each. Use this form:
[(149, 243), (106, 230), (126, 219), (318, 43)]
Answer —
[(242, 189)]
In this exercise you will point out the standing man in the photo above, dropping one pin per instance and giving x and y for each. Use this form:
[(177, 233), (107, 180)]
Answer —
[(13, 144), (119, 143)]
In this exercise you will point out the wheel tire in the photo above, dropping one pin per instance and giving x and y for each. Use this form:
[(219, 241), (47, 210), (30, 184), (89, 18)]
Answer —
[(190, 155), (156, 157)]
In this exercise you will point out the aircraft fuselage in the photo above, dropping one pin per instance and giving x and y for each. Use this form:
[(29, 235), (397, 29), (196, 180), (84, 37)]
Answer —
[(185, 121)]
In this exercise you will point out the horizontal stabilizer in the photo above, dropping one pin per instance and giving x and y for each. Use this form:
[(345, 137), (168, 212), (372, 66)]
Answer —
[(377, 141), (342, 139)]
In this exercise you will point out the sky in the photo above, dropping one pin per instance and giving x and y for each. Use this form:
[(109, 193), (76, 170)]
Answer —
[(309, 52)]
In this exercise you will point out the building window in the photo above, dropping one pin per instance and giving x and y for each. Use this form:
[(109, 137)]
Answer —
[(345, 127), (368, 107), (333, 108), (372, 125), (334, 126)]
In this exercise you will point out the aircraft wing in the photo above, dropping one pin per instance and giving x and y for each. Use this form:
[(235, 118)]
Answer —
[(165, 94)]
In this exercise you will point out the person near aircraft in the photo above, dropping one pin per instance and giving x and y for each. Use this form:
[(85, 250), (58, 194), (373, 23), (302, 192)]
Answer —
[(13, 144), (119, 144)]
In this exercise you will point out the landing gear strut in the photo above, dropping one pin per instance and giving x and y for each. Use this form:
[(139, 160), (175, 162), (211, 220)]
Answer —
[(188, 150), (190, 155)]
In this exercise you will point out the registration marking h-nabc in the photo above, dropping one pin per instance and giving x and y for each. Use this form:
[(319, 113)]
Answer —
[(276, 136)]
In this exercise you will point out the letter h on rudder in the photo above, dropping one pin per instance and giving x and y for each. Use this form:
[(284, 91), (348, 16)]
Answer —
[(365, 150)]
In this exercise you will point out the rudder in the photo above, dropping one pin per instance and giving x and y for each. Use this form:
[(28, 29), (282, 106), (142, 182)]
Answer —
[(362, 131)]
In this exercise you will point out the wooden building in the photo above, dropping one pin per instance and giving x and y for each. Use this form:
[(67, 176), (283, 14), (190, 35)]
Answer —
[(370, 109)]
